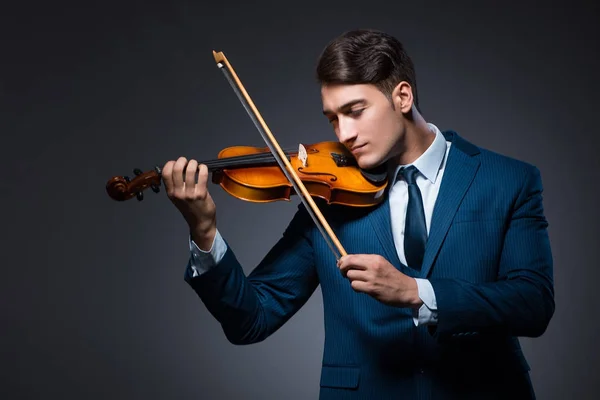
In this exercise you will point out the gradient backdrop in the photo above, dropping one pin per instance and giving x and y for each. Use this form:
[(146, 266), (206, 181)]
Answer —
[(94, 305)]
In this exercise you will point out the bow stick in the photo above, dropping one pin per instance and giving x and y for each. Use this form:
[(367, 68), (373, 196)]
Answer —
[(279, 155)]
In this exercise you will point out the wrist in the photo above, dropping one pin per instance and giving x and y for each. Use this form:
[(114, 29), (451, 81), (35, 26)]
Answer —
[(414, 301), (204, 236)]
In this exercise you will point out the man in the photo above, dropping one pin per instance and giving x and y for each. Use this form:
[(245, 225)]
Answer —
[(440, 278)]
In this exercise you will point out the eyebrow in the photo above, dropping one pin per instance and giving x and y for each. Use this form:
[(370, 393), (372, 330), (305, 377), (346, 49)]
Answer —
[(346, 106)]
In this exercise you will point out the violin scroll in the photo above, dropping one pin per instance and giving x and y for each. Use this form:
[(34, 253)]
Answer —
[(121, 188)]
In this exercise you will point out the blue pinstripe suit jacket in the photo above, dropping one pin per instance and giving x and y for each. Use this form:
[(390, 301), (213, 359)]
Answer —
[(488, 259)]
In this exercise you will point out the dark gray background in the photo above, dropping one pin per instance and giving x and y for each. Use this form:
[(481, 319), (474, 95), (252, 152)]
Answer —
[(94, 305)]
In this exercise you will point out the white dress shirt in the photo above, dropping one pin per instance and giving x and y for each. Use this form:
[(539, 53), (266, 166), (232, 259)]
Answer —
[(431, 169), (431, 165)]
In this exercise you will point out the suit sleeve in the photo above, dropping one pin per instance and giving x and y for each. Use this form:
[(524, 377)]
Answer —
[(250, 308), (521, 301)]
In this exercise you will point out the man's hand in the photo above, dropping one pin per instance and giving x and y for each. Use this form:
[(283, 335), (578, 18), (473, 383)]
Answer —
[(192, 198), (374, 275)]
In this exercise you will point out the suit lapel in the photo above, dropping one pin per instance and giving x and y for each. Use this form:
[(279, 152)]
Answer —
[(380, 221), (459, 173)]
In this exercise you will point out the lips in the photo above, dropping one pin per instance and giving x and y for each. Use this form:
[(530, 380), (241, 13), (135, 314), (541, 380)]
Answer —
[(356, 148)]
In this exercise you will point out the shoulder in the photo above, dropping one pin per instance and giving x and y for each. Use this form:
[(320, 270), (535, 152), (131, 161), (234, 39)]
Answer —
[(495, 164), (504, 164)]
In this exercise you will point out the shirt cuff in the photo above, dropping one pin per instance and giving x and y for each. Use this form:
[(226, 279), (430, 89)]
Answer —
[(200, 260), (427, 313)]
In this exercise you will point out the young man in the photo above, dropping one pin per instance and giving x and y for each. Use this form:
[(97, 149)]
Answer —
[(440, 278)]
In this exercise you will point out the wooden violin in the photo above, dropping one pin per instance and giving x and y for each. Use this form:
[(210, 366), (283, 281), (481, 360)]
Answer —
[(327, 170)]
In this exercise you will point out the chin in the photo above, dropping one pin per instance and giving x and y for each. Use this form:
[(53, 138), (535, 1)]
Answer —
[(366, 162)]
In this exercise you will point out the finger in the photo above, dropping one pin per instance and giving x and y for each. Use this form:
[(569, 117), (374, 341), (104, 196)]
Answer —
[(353, 261), (357, 275), (190, 179), (201, 189), (343, 264), (167, 177), (178, 174), (360, 286)]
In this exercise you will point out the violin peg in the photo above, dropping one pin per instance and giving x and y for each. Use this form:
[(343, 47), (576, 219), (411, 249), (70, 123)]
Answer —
[(122, 188)]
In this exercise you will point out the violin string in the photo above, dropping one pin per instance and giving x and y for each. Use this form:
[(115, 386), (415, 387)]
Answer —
[(243, 160), (239, 161)]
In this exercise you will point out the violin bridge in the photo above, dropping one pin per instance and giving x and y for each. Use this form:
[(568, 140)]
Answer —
[(302, 156)]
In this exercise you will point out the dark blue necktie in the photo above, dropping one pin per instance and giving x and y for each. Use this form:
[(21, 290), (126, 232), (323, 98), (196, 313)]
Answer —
[(415, 230)]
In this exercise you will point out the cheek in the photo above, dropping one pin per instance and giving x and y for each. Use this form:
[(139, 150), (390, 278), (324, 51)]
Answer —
[(383, 128)]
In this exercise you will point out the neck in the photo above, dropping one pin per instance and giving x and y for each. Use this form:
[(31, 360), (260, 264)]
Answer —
[(417, 138)]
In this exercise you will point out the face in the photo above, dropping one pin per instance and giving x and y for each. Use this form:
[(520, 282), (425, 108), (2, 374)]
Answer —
[(364, 121)]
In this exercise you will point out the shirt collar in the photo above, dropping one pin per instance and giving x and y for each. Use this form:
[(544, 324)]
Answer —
[(430, 161)]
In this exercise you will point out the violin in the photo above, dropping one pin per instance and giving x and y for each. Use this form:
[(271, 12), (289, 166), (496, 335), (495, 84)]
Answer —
[(327, 170)]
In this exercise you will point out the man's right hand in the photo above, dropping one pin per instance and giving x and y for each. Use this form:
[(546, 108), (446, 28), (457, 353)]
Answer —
[(192, 198)]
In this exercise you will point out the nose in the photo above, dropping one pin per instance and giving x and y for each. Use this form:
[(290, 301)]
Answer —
[(346, 130)]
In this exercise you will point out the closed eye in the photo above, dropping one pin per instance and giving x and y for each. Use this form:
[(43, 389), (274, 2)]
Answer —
[(352, 113)]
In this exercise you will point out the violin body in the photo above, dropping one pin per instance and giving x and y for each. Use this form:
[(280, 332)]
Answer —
[(330, 174)]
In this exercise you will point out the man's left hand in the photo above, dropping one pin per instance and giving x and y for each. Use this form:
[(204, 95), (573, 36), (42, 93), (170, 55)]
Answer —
[(374, 275)]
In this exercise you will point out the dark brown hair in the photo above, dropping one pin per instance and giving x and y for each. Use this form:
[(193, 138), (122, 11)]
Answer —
[(367, 56)]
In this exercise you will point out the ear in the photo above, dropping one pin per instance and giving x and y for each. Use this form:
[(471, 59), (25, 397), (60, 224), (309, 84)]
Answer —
[(402, 97)]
